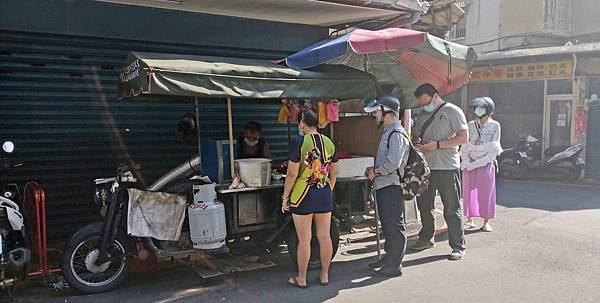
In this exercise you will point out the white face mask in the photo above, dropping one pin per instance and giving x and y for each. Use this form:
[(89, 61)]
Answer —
[(378, 117), (251, 142), (300, 130), (480, 112)]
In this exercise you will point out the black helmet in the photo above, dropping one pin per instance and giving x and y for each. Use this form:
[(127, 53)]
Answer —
[(385, 103), (484, 102), (186, 129)]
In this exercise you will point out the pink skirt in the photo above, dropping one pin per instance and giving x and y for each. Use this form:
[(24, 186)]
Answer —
[(479, 192)]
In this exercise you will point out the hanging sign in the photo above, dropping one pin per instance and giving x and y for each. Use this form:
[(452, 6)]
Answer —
[(524, 71)]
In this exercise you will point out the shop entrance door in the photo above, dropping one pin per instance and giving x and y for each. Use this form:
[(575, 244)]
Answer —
[(559, 116)]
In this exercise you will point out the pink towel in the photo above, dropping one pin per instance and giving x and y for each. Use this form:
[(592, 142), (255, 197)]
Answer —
[(294, 112), (333, 111)]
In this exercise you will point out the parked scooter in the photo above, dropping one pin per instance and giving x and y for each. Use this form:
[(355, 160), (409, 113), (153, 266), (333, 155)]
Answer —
[(522, 161), (15, 257)]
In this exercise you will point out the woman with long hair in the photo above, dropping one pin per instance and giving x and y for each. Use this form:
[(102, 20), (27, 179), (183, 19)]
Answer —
[(308, 194)]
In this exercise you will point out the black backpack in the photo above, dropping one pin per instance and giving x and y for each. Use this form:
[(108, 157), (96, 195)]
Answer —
[(416, 173)]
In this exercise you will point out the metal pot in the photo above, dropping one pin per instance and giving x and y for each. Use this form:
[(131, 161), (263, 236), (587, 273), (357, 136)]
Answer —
[(254, 172)]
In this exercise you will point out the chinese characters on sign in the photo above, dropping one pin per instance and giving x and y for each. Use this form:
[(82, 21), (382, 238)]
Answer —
[(525, 71)]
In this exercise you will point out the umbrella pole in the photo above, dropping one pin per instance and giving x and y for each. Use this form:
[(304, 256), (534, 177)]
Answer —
[(197, 110), (230, 126)]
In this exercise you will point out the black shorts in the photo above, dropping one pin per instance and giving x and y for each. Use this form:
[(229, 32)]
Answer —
[(317, 201)]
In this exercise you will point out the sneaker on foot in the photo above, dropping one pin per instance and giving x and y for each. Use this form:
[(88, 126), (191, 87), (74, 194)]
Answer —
[(377, 264), (456, 255), (421, 245), (387, 272)]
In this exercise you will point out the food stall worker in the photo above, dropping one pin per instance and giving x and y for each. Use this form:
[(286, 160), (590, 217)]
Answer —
[(391, 159), (251, 144)]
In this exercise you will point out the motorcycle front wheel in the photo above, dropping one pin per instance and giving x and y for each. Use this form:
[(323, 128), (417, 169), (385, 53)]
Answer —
[(79, 261)]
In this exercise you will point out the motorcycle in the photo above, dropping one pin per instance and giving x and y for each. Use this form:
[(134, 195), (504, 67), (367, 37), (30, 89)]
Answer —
[(97, 257), (522, 162), (15, 257)]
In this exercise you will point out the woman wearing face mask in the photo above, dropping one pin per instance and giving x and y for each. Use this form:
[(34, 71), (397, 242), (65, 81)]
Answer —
[(251, 144), (479, 164), (308, 194)]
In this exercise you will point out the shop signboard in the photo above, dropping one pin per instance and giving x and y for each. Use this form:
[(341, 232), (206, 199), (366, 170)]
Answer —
[(523, 71)]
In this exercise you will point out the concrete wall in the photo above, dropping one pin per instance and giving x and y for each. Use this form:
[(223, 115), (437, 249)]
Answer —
[(587, 20), (522, 17), (510, 24), (483, 20)]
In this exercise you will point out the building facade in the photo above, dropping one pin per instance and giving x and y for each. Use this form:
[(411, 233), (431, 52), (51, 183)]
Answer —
[(59, 68), (500, 25), (539, 62)]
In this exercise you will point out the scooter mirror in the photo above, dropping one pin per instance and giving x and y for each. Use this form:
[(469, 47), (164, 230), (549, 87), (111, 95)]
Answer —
[(531, 139), (8, 147)]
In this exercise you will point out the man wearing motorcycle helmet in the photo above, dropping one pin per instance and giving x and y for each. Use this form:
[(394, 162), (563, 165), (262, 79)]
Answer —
[(391, 159), (479, 164)]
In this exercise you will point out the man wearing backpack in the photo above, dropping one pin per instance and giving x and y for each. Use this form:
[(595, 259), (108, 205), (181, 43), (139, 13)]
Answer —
[(392, 155), (440, 129)]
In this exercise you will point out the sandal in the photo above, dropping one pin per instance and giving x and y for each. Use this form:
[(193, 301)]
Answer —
[(322, 283), (470, 225), (296, 284), (487, 228)]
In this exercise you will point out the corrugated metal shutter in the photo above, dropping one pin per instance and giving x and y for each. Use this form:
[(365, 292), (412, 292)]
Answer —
[(59, 105), (592, 153), (594, 86)]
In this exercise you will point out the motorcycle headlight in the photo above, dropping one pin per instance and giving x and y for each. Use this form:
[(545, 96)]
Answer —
[(101, 195), (97, 196), (8, 194)]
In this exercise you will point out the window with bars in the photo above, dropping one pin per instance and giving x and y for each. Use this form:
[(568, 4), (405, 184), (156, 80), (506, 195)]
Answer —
[(458, 30), (557, 16)]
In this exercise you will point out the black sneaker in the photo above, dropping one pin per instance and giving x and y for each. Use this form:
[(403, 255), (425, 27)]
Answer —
[(456, 255), (377, 264), (387, 272), (421, 245)]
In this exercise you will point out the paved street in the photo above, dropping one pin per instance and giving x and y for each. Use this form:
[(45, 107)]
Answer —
[(545, 248)]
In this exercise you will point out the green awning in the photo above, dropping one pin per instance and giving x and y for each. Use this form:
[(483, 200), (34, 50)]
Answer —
[(216, 77)]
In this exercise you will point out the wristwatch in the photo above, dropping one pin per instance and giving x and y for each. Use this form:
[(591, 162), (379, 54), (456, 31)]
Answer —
[(376, 171)]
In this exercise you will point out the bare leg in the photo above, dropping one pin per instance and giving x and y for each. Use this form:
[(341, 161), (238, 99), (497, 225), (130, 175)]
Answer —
[(323, 227), (303, 224)]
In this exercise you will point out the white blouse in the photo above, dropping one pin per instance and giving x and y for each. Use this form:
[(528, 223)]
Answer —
[(484, 144), (486, 133)]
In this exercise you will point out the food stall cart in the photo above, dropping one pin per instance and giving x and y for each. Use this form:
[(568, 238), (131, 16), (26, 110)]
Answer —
[(252, 212)]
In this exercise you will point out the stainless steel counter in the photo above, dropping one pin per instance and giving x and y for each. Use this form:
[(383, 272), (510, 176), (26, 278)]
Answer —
[(223, 188)]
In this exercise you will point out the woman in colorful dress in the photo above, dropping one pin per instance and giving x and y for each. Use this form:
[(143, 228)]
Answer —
[(479, 164), (308, 194)]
